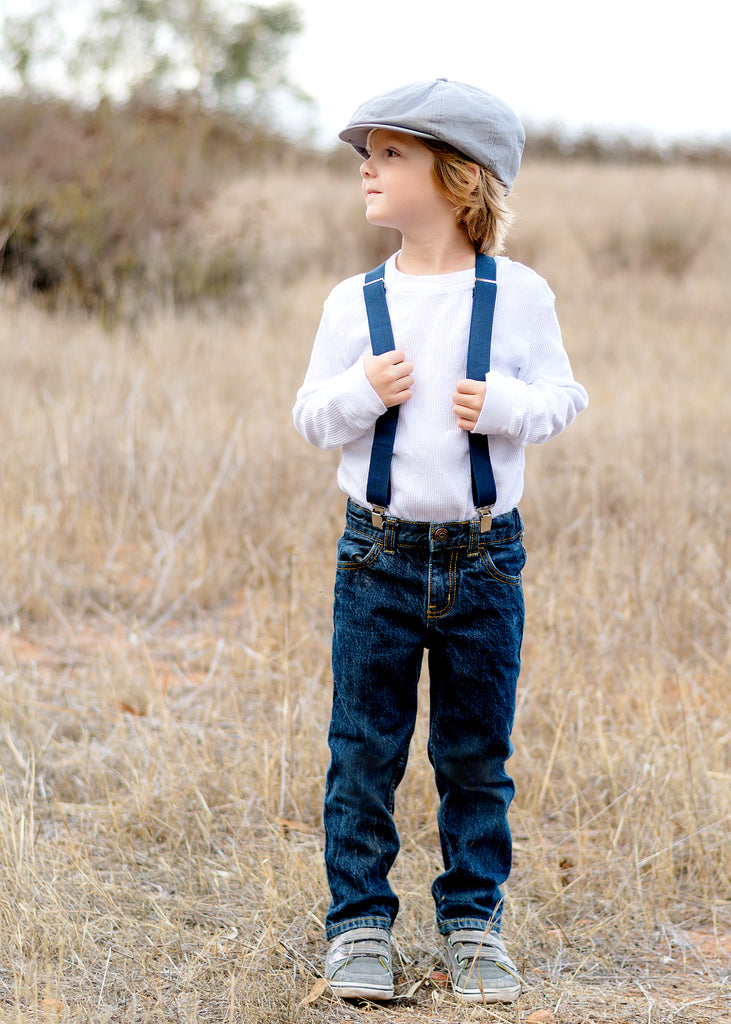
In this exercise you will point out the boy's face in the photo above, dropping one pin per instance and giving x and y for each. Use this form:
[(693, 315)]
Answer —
[(398, 186)]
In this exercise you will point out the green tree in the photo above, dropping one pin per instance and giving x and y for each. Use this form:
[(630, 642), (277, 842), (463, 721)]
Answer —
[(27, 41), (223, 54)]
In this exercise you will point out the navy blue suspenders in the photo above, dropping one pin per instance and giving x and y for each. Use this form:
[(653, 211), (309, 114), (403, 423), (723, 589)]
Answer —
[(378, 488), (478, 363)]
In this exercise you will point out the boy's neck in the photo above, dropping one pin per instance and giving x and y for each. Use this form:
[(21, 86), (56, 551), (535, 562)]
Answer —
[(435, 256)]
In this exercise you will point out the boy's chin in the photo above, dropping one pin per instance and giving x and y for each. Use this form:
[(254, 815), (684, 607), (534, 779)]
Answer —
[(378, 222)]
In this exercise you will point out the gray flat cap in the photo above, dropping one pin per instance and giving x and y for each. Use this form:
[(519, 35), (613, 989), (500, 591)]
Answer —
[(473, 121)]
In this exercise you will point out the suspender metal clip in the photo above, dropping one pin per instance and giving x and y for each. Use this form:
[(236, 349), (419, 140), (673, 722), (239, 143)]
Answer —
[(485, 515), (377, 514)]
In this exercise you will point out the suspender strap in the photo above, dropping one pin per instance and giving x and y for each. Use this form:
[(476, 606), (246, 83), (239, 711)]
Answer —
[(378, 488), (484, 493)]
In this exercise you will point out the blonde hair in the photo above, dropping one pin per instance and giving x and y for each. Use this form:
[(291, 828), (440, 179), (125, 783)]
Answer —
[(482, 209)]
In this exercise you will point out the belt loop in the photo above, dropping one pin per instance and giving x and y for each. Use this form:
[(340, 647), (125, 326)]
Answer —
[(474, 549), (389, 536)]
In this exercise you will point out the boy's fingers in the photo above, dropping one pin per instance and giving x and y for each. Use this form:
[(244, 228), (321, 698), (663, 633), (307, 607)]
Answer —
[(393, 356), (390, 376), (469, 394), (398, 360), (469, 387), (400, 373), (465, 403)]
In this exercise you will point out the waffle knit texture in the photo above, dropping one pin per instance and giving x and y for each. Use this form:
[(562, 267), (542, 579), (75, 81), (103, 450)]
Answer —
[(531, 391)]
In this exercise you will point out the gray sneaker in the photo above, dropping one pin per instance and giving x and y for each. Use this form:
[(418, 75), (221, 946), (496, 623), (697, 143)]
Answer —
[(479, 967), (358, 964)]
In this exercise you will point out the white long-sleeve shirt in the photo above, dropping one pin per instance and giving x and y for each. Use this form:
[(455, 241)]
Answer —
[(531, 392)]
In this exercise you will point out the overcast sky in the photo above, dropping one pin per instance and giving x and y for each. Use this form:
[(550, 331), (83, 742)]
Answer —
[(660, 68)]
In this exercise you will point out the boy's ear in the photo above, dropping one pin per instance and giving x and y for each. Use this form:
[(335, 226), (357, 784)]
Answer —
[(473, 172)]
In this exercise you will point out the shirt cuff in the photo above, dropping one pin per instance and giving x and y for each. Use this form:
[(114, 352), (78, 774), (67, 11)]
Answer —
[(361, 401), (504, 407)]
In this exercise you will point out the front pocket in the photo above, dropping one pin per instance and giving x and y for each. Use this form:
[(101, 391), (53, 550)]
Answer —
[(356, 550), (504, 562)]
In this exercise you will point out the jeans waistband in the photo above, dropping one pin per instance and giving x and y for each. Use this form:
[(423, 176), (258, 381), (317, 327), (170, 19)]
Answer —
[(433, 536)]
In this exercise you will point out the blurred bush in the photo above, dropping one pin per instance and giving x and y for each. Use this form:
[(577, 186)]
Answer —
[(94, 203)]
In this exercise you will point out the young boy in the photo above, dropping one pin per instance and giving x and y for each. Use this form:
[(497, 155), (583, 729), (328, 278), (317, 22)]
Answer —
[(432, 553)]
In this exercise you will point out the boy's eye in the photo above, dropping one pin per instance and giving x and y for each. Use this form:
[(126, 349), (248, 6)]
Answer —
[(387, 151)]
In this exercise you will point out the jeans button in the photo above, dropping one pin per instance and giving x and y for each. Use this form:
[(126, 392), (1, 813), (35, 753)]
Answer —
[(441, 534)]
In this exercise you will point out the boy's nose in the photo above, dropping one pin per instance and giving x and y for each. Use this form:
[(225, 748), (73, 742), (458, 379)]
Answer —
[(365, 168)]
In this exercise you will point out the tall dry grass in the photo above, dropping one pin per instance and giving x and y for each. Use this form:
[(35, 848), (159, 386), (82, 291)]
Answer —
[(165, 572)]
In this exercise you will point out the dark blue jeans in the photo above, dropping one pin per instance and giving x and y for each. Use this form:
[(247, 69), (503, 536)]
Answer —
[(398, 591)]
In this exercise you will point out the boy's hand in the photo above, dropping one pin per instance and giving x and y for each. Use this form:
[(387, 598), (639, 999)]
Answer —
[(390, 376), (468, 401)]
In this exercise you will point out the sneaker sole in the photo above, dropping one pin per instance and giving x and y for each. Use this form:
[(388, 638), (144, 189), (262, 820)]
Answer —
[(375, 994), (508, 995)]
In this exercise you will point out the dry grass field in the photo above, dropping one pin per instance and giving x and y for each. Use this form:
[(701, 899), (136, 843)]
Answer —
[(166, 559)]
